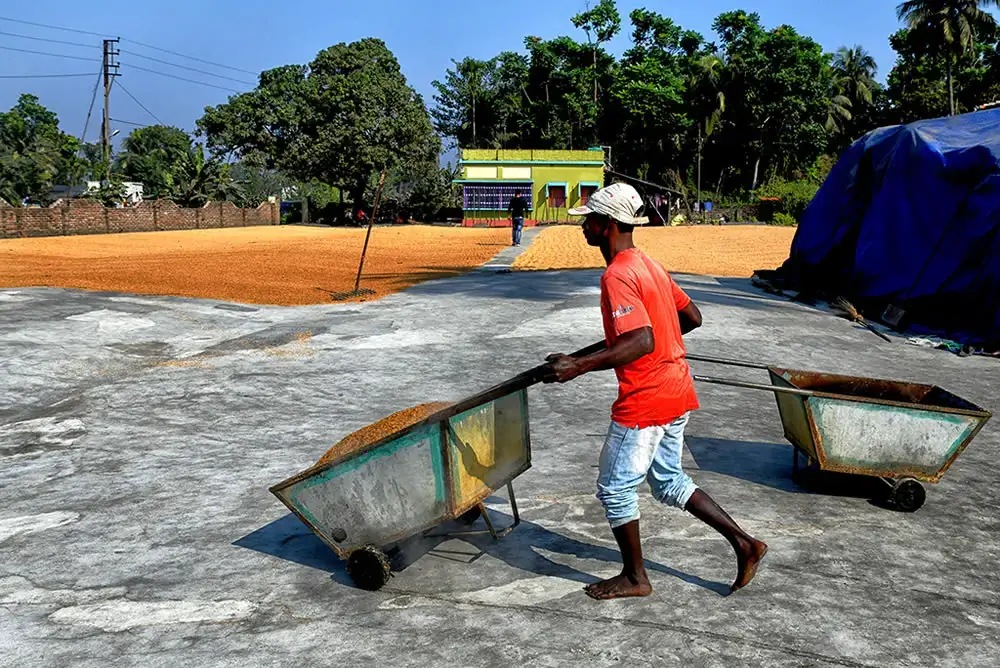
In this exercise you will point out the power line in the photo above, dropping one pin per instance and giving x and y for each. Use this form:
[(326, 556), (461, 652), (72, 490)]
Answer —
[(44, 76), (45, 53), (43, 25), (138, 125), (174, 76), (93, 98), (134, 99), (133, 41), (181, 55), (185, 67), (45, 39)]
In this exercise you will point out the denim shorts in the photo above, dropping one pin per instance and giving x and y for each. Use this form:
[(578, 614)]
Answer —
[(631, 455)]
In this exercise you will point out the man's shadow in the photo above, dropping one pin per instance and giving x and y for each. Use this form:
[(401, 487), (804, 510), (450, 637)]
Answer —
[(288, 538)]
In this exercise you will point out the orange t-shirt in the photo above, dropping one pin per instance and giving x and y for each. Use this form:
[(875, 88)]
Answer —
[(656, 389)]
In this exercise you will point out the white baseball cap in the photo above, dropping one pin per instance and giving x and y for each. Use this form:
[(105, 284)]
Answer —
[(619, 201)]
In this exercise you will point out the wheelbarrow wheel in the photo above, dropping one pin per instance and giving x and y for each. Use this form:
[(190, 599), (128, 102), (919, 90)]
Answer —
[(369, 568), (907, 495), (471, 515)]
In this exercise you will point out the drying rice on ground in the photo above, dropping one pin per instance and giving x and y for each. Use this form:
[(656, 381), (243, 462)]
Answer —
[(283, 265), (711, 250), (378, 430)]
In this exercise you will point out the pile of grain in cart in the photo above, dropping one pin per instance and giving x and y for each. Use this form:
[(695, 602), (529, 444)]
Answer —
[(376, 431)]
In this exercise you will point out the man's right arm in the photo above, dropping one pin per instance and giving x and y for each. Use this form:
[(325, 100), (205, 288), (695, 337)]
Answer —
[(629, 347)]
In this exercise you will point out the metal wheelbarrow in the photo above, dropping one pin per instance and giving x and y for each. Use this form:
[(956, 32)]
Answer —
[(408, 482), (902, 433)]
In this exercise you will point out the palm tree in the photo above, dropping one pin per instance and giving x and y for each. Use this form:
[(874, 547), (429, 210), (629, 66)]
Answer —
[(838, 112), (707, 75), (854, 73), (954, 23)]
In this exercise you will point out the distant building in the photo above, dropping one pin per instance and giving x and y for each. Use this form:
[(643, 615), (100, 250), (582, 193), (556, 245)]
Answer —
[(552, 181), (133, 191)]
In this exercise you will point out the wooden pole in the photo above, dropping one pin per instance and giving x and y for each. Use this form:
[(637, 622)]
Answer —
[(371, 220)]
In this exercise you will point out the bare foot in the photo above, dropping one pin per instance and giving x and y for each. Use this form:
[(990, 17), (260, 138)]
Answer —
[(620, 586), (748, 558)]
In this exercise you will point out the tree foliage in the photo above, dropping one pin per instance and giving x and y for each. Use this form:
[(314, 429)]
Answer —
[(153, 156), (34, 153), (756, 104), (947, 29), (748, 108), (340, 119)]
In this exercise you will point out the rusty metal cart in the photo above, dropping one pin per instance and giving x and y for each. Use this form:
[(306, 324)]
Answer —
[(903, 433), (410, 481)]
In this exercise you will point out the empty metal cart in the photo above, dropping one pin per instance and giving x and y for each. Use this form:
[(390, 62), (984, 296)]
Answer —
[(903, 433)]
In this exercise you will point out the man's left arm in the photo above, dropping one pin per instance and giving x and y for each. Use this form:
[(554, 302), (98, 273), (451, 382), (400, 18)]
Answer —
[(689, 317), (687, 311)]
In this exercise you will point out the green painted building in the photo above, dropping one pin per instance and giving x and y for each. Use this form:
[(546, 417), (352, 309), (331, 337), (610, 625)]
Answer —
[(552, 181)]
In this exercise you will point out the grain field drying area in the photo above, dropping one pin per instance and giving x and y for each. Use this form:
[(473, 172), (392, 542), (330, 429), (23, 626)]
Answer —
[(703, 249), (280, 265)]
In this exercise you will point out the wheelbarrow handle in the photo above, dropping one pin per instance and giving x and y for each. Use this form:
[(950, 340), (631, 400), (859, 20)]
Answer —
[(727, 362), (754, 386), (519, 382)]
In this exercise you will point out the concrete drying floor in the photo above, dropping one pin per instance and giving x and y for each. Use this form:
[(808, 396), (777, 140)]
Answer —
[(138, 436)]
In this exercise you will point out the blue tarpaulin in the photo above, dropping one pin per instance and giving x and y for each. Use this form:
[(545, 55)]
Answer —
[(910, 216)]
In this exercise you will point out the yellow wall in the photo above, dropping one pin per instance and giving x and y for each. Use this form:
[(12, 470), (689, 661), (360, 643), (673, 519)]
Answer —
[(529, 154), (541, 174), (569, 175)]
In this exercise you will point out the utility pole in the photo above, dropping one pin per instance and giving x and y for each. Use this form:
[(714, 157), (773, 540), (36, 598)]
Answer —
[(110, 72), (700, 144)]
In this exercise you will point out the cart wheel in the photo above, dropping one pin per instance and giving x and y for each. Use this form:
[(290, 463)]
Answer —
[(471, 515), (368, 567), (907, 495)]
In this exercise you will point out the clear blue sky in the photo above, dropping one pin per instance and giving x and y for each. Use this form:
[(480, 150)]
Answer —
[(254, 35)]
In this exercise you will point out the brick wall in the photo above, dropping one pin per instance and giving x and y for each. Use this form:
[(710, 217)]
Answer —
[(86, 217)]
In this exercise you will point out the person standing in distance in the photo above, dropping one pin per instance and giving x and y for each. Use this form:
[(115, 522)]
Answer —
[(516, 208), (645, 315)]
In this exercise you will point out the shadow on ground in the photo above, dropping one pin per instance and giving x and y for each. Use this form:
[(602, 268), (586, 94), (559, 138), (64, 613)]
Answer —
[(770, 465), (559, 284), (289, 539)]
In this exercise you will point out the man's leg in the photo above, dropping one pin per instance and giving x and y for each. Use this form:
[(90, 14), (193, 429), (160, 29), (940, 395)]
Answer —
[(625, 460), (749, 550), (513, 231), (674, 487), (517, 234)]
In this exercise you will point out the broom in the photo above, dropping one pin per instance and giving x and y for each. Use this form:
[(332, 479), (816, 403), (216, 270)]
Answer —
[(851, 313)]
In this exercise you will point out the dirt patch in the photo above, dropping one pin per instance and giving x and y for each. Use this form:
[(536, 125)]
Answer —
[(284, 265), (699, 249), (379, 430)]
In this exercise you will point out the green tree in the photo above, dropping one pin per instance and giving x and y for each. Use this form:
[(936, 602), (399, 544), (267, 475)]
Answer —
[(153, 157), (461, 99), (649, 96), (854, 91), (563, 112), (854, 74), (510, 101), (197, 179), (340, 119), (838, 112), (777, 97), (917, 85), (257, 181), (952, 26), (603, 22), (32, 150), (706, 88)]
